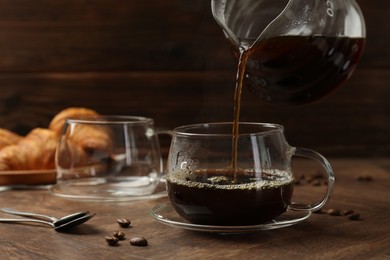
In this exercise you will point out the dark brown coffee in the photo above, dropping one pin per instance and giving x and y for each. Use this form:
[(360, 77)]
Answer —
[(295, 70), (216, 198)]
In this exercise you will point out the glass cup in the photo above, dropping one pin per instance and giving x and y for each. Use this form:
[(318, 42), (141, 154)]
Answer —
[(108, 158), (206, 187)]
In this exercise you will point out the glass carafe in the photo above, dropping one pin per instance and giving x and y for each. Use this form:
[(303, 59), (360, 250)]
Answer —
[(297, 51)]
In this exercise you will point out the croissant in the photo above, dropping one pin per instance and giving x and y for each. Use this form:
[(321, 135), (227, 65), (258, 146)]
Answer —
[(92, 138), (73, 155), (12, 159), (88, 137), (57, 123), (35, 151), (7, 137)]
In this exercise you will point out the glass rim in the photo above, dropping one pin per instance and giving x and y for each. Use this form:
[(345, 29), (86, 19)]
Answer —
[(267, 129), (109, 119)]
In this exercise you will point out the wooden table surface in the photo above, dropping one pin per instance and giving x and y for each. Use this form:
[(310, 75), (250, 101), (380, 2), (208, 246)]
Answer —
[(320, 237)]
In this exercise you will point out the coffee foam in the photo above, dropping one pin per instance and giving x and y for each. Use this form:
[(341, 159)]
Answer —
[(268, 179)]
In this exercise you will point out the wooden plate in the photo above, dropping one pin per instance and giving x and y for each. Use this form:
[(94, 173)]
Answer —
[(27, 177)]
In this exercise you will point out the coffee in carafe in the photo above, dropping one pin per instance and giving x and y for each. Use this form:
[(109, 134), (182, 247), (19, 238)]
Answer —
[(295, 70)]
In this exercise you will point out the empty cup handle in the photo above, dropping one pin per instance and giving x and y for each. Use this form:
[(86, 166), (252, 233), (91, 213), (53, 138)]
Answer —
[(161, 131), (303, 152)]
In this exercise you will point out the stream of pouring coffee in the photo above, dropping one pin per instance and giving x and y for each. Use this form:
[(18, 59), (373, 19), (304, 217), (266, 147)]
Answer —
[(244, 55)]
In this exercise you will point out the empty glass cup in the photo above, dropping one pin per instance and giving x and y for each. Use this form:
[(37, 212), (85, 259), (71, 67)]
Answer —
[(108, 158)]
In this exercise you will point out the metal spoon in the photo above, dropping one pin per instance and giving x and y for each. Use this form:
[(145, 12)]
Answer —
[(72, 219), (55, 225), (55, 221)]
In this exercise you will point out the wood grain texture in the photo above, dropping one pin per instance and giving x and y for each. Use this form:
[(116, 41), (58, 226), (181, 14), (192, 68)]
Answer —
[(348, 123), (320, 237), (169, 60)]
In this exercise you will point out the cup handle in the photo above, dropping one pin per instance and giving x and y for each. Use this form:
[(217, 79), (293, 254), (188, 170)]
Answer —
[(161, 131), (307, 153)]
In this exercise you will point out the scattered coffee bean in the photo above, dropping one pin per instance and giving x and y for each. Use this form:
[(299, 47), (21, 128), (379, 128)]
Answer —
[(354, 216), (112, 241), (123, 222), (310, 180), (318, 211), (347, 212), (119, 234), (138, 241), (364, 178), (317, 175), (334, 212), (316, 183), (315, 179)]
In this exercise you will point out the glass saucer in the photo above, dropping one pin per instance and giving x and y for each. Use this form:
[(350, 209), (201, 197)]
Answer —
[(103, 191), (166, 214)]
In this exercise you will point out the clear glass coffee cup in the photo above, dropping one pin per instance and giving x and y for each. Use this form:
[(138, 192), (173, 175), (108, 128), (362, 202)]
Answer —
[(211, 181), (108, 158)]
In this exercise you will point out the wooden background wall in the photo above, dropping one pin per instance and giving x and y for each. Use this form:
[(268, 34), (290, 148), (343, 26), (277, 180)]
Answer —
[(169, 60)]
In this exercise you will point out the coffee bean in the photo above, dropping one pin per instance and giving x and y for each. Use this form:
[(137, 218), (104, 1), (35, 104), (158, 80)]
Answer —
[(334, 212), (318, 211), (138, 241), (112, 241), (310, 180), (316, 183), (354, 216), (347, 212), (119, 234), (297, 182), (364, 178), (123, 222), (317, 175)]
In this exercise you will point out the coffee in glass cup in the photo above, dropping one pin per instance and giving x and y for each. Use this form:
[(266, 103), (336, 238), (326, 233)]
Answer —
[(204, 188)]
